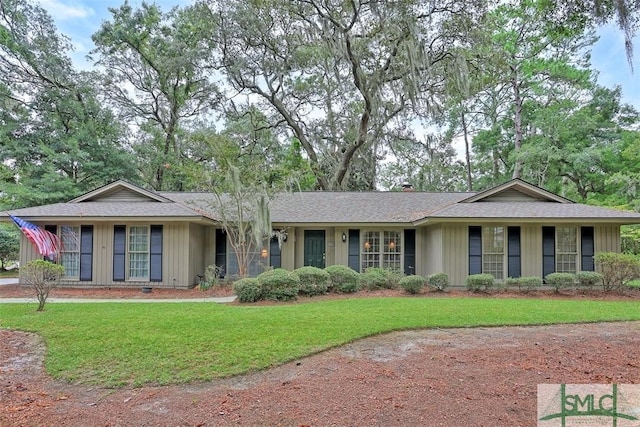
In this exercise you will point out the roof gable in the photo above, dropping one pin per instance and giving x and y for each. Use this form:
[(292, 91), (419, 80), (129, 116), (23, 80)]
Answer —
[(120, 191), (516, 190)]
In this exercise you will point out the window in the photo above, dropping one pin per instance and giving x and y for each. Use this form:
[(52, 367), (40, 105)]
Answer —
[(382, 249), (566, 249), (138, 252), (493, 251), (70, 252)]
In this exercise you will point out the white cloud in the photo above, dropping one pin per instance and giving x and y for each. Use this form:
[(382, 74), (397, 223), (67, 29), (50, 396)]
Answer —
[(61, 11)]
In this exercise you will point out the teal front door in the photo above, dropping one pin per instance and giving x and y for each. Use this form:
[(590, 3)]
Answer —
[(314, 252)]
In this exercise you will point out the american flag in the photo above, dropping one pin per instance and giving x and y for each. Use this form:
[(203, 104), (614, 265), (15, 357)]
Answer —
[(45, 242)]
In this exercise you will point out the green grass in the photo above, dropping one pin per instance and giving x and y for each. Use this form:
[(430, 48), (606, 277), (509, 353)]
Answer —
[(163, 343)]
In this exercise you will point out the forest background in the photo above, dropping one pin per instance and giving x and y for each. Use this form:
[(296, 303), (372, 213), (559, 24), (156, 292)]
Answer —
[(339, 95)]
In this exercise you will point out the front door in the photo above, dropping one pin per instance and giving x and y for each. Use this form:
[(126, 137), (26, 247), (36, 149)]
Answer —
[(314, 253)]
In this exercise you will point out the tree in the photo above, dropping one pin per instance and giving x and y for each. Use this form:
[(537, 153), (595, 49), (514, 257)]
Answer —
[(154, 75), (341, 77), (43, 276), (56, 138), (531, 58), (9, 245), (241, 197), (244, 167), (427, 165)]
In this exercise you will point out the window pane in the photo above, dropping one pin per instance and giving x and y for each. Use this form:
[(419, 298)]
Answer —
[(138, 252), (567, 239), (494, 264), (71, 263), (493, 240), (138, 239), (567, 249), (138, 265), (392, 251), (381, 249), (371, 249), (493, 251), (70, 238), (70, 251)]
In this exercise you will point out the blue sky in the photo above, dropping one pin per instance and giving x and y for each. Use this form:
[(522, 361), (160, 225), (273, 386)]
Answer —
[(78, 19)]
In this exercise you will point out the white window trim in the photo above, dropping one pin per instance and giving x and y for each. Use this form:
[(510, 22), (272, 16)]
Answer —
[(381, 251), (77, 229), (128, 253)]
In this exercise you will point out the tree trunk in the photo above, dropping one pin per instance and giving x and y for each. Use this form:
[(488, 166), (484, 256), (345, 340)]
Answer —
[(467, 151), (517, 100)]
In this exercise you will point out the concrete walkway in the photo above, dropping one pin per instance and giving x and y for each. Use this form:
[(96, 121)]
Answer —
[(219, 300)]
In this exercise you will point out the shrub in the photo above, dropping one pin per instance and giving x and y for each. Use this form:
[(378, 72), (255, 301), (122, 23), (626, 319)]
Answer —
[(439, 281), (343, 279), (279, 284), (588, 279), (616, 269), (480, 282), (42, 276), (313, 280), (412, 284), (212, 276), (560, 280), (248, 290), (380, 278), (525, 284)]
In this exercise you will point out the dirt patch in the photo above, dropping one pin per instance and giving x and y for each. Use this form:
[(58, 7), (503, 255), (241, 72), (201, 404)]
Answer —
[(438, 377)]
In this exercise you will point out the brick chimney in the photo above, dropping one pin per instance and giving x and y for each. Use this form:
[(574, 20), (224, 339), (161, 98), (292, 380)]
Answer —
[(407, 186)]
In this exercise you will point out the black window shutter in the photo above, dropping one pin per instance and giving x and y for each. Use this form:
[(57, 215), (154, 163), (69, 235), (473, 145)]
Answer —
[(513, 252), (409, 251), (548, 250), (221, 250), (86, 252), (354, 249), (155, 261), (53, 229), (475, 249), (587, 248), (119, 252), (275, 255)]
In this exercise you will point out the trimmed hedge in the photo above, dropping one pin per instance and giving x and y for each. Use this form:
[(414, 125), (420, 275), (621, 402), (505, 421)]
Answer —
[(380, 278), (343, 279), (279, 284), (560, 280), (439, 281), (525, 284), (313, 281), (248, 290), (412, 284), (480, 282), (588, 279)]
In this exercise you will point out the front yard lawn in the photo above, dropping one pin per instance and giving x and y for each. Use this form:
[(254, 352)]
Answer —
[(135, 344)]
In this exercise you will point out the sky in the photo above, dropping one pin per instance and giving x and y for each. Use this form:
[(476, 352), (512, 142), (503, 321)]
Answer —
[(79, 19)]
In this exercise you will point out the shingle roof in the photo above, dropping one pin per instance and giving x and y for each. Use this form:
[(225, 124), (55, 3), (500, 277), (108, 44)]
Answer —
[(330, 207), (359, 207), (107, 210), (533, 210)]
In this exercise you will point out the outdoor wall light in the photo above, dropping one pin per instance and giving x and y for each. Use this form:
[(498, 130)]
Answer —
[(264, 253), (392, 245), (367, 245), (344, 237)]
